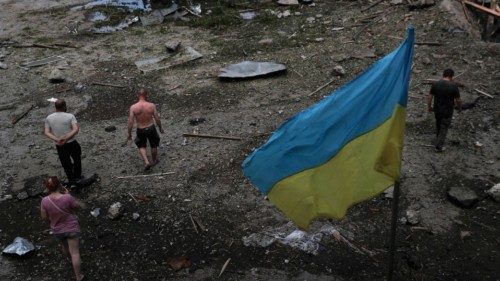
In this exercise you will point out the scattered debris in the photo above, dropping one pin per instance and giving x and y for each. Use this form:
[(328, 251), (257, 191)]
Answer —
[(462, 196), (154, 18), (195, 9), (478, 144), (321, 87), (3, 65), (136, 216), (6, 197), (96, 212), (389, 193), (338, 70), (179, 263), (97, 16), (159, 62), (129, 4), (110, 128), (145, 176), (251, 69), (288, 2), (483, 93), (465, 234), (173, 47), (128, 21), (196, 121), (150, 64), (306, 241), (56, 76), (6, 106), (42, 61), (19, 247), (115, 211), (412, 217), (211, 136), (21, 116), (248, 15), (265, 41), (107, 84), (494, 192), (371, 5), (419, 4), (224, 266), (87, 181), (22, 195)]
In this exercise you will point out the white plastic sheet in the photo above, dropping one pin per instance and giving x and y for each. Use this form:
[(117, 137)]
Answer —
[(19, 247)]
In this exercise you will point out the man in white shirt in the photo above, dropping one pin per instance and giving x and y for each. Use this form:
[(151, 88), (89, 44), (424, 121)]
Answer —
[(61, 127)]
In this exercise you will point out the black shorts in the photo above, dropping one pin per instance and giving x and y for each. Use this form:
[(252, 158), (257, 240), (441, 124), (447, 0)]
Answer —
[(145, 134), (62, 237)]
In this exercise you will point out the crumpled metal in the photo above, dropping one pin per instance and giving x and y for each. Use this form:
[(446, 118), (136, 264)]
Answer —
[(19, 247), (248, 69)]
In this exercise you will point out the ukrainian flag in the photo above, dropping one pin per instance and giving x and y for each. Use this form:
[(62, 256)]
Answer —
[(341, 151)]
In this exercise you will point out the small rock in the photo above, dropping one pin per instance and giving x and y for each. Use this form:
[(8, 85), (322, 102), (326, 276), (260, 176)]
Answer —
[(389, 193), (319, 16), (319, 39), (22, 195), (310, 19), (135, 216), (412, 217), (110, 129), (266, 41), (286, 13), (115, 211), (396, 2), (494, 192), (465, 234), (96, 212), (338, 70), (288, 2), (79, 86), (56, 76), (172, 47), (426, 61), (3, 65), (462, 196)]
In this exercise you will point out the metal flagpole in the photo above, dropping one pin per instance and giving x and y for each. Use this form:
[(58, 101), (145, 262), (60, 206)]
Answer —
[(394, 225)]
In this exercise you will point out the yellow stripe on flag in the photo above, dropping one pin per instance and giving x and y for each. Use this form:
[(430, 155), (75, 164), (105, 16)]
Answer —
[(363, 168)]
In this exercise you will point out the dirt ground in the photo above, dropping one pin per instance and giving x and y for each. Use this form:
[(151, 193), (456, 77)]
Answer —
[(205, 207)]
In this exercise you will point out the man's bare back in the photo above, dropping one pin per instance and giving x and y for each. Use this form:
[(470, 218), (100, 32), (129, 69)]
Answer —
[(143, 113)]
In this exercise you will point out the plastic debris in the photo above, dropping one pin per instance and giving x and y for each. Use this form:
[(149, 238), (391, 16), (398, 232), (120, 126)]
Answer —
[(248, 15), (306, 241), (195, 9), (19, 247), (128, 21), (52, 100), (96, 212), (251, 69)]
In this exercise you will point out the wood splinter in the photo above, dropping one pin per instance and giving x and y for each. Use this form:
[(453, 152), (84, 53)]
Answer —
[(211, 136)]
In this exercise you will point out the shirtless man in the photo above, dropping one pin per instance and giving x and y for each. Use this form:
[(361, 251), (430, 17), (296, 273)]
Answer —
[(145, 115)]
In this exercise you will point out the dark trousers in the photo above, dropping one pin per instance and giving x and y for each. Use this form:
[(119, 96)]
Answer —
[(67, 152), (443, 122)]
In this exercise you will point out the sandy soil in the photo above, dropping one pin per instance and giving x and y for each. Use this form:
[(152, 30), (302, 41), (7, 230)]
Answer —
[(207, 184)]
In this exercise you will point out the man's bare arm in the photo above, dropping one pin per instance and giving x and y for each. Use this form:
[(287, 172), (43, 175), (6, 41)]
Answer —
[(48, 133), (75, 128), (156, 116), (130, 123)]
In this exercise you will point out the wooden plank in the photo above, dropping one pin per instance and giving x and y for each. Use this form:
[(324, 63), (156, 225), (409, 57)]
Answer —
[(483, 93), (320, 88), (493, 12), (109, 85), (145, 176), (15, 120), (210, 136)]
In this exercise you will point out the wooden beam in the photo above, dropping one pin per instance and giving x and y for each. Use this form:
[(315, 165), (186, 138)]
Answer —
[(492, 11), (210, 136), (483, 93)]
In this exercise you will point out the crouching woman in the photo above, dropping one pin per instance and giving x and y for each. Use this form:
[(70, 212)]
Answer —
[(58, 208)]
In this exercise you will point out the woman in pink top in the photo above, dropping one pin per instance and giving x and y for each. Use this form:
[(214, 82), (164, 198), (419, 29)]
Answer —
[(58, 208)]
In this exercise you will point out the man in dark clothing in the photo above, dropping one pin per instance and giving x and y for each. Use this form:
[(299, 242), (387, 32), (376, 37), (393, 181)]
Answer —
[(446, 97)]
